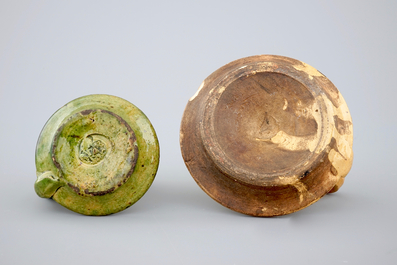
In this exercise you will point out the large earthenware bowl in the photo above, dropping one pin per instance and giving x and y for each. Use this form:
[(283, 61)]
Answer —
[(267, 135), (96, 155)]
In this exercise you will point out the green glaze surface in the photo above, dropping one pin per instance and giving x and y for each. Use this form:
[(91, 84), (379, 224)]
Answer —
[(97, 155)]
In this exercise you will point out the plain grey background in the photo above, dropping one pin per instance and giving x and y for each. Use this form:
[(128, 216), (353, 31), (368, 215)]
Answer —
[(156, 54)]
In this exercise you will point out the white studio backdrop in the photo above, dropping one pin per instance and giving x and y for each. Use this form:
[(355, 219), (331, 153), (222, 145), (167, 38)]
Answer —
[(155, 54)]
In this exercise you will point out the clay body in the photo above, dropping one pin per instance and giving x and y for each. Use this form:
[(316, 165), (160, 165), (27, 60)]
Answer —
[(96, 155), (267, 135)]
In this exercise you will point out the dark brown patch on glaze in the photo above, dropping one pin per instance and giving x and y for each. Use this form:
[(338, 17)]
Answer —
[(342, 126), (74, 188), (307, 172), (98, 193), (86, 112)]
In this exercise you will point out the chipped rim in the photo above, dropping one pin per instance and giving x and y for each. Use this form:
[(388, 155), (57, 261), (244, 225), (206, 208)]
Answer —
[(232, 199)]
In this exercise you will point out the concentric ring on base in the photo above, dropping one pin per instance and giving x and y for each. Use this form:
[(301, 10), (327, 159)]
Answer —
[(257, 135), (96, 151)]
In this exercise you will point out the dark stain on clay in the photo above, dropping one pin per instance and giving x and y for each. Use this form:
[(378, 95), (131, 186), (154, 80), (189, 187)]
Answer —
[(132, 140), (86, 112), (334, 171), (305, 174), (334, 145), (74, 188), (330, 90), (252, 177), (342, 126), (98, 193)]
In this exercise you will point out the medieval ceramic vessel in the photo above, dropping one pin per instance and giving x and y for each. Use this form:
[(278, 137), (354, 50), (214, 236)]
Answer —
[(97, 155), (267, 135)]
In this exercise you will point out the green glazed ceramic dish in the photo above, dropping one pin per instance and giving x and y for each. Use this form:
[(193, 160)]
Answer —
[(97, 155)]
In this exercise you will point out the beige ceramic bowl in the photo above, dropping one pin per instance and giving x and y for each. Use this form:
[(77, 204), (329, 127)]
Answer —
[(267, 135)]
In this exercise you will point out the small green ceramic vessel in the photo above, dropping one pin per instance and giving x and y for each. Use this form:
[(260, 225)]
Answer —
[(97, 155)]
